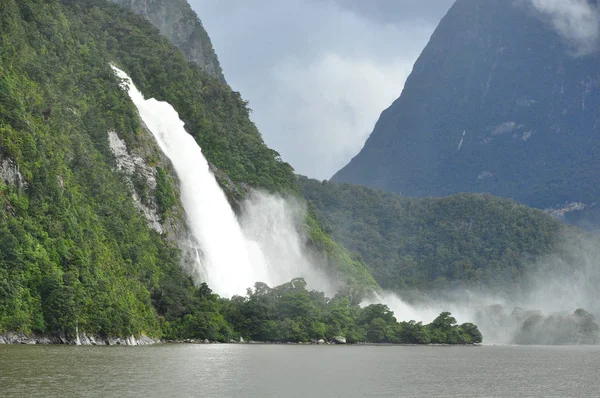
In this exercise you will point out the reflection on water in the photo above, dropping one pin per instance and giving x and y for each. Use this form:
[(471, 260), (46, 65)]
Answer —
[(298, 371)]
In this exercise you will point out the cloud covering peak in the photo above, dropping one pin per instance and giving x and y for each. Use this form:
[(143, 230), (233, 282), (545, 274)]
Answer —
[(578, 21)]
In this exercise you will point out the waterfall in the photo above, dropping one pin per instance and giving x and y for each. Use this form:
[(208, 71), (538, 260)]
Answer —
[(230, 261)]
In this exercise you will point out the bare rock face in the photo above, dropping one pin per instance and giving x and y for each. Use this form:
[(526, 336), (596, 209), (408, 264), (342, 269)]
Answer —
[(10, 174), (180, 24), (503, 100), (131, 165), (340, 340)]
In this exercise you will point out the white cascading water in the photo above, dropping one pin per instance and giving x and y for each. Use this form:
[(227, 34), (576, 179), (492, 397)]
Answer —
[(226, 259), (231, 260)]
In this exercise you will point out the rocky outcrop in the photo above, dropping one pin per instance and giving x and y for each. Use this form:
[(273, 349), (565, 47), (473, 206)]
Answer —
[(10, 174), (134, 166), (177, 21), (339, 340), (80, 339)]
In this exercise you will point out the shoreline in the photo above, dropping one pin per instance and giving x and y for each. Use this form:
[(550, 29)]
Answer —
[(332, 343), (92, 340), (82, 339)]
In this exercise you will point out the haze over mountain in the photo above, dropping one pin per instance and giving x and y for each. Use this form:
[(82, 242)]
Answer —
[(504, 99), (318, 73)]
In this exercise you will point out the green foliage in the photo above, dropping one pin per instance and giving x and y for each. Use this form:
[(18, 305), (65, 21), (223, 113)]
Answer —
[(165, 191), (466, 239), (74, 250), (341, 264), (291, 313), (445, 330)]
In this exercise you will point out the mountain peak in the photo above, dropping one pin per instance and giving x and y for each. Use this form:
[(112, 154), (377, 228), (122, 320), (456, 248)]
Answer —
[(498, 102)]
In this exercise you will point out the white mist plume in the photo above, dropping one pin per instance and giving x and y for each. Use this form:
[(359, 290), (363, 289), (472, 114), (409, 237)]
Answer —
[(577, 21), (274, 225), (552, 289), (404, 311), (567, 281), (267, 247)]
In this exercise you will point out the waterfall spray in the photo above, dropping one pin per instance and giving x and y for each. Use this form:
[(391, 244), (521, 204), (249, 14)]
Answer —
[(231, 261), (226, 259)]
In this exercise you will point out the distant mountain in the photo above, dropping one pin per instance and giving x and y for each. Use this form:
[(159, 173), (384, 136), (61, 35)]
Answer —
[(498, 102), (179, 23)]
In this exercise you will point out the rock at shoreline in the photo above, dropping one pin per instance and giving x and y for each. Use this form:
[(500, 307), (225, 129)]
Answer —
[(80, 339), (339, 340)]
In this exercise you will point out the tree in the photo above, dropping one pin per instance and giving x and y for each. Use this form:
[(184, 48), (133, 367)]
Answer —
[(444, 322), (374, 311), (377, 330), (473, 332)]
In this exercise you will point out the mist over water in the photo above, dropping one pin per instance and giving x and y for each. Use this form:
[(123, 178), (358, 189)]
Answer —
[(265, 245), (542, 309)]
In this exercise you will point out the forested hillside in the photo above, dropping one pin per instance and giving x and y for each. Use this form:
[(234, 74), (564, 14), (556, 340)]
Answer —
[(461, 240), (76, 251)]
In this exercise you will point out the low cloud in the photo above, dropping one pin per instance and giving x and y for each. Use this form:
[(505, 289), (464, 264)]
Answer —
[(331, 105), (318, 73), (578, 21)]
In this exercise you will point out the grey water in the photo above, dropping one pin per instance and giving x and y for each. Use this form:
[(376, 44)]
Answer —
[(299, 371)]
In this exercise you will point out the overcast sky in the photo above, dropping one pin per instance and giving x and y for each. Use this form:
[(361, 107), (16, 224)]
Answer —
[(318, 73)]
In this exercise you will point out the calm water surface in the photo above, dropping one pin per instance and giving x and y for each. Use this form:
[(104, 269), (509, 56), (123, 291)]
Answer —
[(298, 371)]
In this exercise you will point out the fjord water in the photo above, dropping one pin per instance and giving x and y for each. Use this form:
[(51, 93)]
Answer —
[(299, 371)]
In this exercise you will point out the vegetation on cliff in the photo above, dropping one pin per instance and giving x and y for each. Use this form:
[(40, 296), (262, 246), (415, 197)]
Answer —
[(75, 252), (178, 22)]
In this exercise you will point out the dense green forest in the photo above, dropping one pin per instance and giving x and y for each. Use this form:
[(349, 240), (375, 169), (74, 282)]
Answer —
[(461, 240), (75, 251), (291, 313)]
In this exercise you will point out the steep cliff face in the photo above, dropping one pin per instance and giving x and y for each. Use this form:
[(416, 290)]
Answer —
[(89, 205), (180, 24), (498, 102)]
